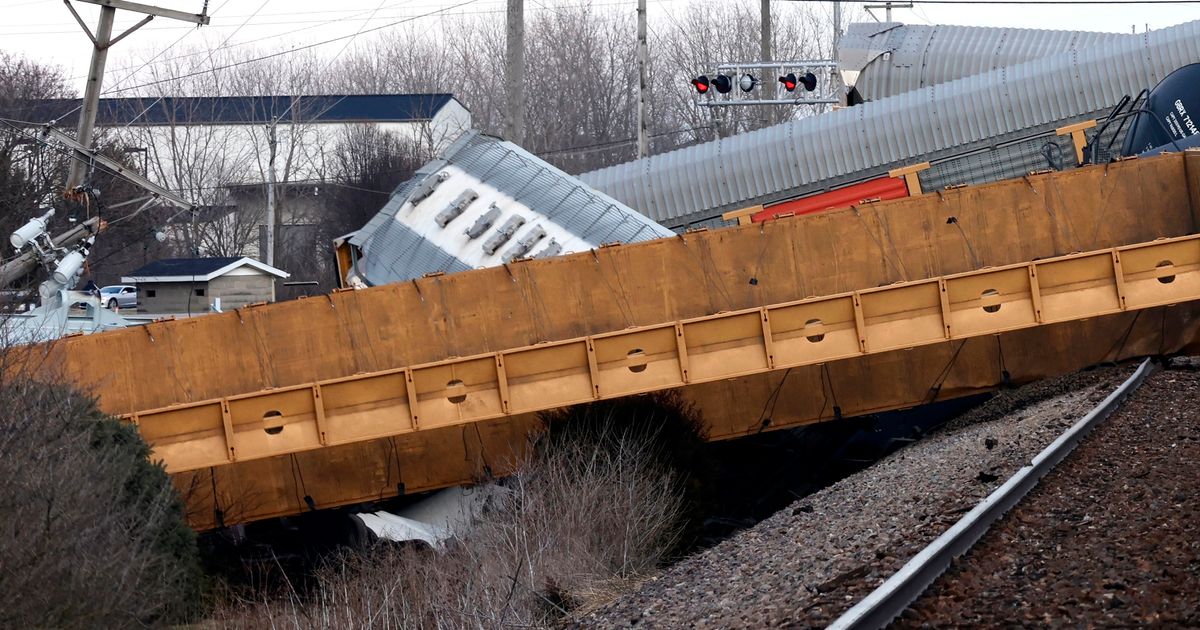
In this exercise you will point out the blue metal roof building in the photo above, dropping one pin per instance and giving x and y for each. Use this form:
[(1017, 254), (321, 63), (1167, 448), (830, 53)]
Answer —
[(241, 110)]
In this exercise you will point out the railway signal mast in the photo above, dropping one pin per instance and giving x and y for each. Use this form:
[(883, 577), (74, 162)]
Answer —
[(810, 81)]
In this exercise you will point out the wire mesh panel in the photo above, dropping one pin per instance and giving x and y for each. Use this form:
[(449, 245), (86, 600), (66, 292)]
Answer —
[(1001, 162)]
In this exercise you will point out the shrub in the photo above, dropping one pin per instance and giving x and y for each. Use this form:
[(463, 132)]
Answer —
[(92, 534)]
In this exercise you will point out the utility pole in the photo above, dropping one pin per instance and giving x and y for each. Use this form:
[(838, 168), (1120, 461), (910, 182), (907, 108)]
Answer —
[(272, 220), (768, 82), (835, 75), (643, 139), (514, 72), (102, 40), (887, 7)]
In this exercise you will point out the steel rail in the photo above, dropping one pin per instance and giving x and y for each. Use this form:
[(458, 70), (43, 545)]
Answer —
[(898, 592)]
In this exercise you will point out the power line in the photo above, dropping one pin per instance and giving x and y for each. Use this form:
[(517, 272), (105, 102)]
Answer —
[(298, 48), (197, 53), (616, 143), (1040, 2)]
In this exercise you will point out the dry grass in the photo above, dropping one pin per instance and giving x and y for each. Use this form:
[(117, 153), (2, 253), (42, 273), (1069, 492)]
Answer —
[(600, 504)]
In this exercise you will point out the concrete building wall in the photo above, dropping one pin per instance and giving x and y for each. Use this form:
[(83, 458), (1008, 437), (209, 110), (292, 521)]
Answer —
[(235, 290), (238, 291), (173, 297)]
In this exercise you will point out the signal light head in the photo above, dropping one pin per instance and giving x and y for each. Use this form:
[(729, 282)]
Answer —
[(723, 83), (790, 82), (747, 82), (701, 84)]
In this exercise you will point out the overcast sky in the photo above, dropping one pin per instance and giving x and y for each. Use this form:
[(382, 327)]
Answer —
[(45, 30)]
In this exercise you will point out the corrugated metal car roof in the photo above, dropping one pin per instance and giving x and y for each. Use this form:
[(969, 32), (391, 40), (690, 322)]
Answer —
[(892, 58), (486, 202), (700, 182)]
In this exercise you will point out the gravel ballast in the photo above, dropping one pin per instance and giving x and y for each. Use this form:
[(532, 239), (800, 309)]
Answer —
[(810, 562), (1109, 538)]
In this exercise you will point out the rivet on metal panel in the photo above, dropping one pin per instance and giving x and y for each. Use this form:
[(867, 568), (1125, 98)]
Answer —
[(860, 323), (1035, 293), (768, 338), (681, 347), (945, 299), (410, 387), (593, 368), (502, 383), (319, 413), (227, 423)]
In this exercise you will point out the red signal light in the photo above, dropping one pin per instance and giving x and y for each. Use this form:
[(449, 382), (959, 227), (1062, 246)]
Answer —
[(791, 82), (701, 84)]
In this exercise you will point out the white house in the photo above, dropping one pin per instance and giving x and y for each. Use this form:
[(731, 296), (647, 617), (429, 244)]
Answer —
[(199, 285)]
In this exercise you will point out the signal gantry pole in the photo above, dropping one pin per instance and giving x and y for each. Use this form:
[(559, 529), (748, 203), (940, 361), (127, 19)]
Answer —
[(765, 49), (643, 139), (514, 72)]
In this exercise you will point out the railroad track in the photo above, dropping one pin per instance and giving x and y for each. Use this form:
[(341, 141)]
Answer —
[(903, 588), (808, 563)]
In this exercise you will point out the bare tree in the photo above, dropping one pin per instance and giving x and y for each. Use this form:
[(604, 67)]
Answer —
[(31, 174)]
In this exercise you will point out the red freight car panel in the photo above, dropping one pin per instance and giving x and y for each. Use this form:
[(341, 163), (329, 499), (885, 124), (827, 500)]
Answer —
[(882, 188)]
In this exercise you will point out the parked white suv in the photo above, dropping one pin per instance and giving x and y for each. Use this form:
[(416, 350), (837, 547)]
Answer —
[(122, 295)]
